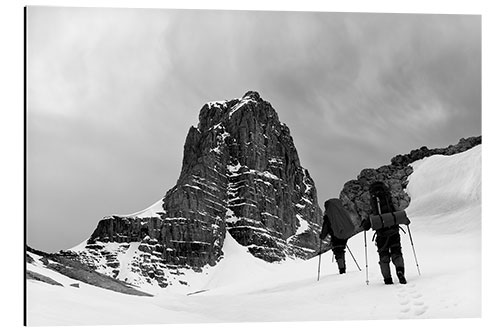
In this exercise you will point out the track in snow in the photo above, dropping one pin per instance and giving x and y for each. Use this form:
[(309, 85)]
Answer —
[(411, 301)]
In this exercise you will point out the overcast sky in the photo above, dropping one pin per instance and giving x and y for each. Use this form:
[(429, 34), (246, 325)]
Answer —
[(113, 92)]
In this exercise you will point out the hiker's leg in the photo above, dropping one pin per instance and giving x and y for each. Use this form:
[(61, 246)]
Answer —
[(396, 253), (339, 253), (385, 269), (397, 258), (385, 258)]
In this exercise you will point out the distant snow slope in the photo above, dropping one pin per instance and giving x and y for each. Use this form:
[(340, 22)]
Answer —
[(445, 213), (445, 186)]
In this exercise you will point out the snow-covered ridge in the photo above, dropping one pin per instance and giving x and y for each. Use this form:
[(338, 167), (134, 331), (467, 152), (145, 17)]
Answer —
[(223, 104), (217, 104), (440, 184), (152, 211), (242, 101)]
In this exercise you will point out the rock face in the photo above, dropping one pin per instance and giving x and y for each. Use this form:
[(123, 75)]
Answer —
[(240, 174), (67, 263), (355, 195)]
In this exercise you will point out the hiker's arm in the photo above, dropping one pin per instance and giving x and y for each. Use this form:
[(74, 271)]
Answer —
[(324, 229), (365, 224)]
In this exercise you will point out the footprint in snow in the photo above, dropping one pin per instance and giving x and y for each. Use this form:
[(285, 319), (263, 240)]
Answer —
[(405, 309), (420, 310), (410, 300)]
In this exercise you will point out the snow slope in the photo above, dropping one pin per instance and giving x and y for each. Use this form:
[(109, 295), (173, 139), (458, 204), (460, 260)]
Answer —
[(152, 211), (446, 229)]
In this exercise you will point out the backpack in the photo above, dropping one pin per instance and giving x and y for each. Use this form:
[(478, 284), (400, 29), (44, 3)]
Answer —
[(383, 212), (339, 218)]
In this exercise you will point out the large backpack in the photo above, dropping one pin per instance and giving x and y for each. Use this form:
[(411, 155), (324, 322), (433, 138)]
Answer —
[(380, 198), (339, 219), (383, 212)]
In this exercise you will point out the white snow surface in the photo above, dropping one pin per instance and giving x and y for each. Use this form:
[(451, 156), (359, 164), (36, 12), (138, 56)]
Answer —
[(216, 104), (151, 211), (303, 226), (445, 213)]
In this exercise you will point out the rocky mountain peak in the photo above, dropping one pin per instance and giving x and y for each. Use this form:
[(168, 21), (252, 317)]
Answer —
[(253, 95), (241, 177), (217, 112)]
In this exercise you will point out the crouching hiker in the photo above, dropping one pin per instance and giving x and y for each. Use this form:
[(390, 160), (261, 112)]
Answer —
[(388, 240), (337, 223)]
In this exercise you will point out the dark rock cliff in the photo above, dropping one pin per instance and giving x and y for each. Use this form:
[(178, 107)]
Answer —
[(241, 174), (356, 198)]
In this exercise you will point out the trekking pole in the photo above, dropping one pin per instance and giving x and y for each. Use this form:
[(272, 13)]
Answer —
[(353, 257), (319, 264), (366, 260), (413, 247)]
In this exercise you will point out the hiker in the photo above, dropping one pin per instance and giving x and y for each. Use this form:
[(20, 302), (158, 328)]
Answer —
[(337, 223), (388, 240)]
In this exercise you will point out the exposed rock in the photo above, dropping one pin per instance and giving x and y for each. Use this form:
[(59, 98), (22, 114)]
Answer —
[(418, 154), (69, 264), (356, 198), (79, 271), (241, 174), (29, 259), (39, 277)]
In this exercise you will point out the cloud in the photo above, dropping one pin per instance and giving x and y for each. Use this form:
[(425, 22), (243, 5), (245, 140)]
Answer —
[(89, 60)]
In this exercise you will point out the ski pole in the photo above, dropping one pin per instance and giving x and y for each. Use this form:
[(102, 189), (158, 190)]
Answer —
[(319, 264), (353, 256), (366, 260), (413, 247)]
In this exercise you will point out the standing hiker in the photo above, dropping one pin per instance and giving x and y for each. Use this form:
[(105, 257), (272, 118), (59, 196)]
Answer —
[(388, 240), (337, 223)]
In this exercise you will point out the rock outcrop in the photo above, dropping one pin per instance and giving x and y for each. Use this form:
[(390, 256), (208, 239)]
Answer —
[(240, 174), (67, 263), (356, 198)]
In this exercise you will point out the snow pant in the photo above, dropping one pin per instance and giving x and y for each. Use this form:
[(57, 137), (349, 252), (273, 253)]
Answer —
[(389, 248), (338, 248)]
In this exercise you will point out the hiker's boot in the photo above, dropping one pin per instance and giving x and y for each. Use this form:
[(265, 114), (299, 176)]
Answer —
[(385, 269), (401, 275), (341, 265)]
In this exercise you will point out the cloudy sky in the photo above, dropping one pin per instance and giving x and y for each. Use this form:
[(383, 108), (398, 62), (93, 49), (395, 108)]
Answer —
[(113, 92)]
